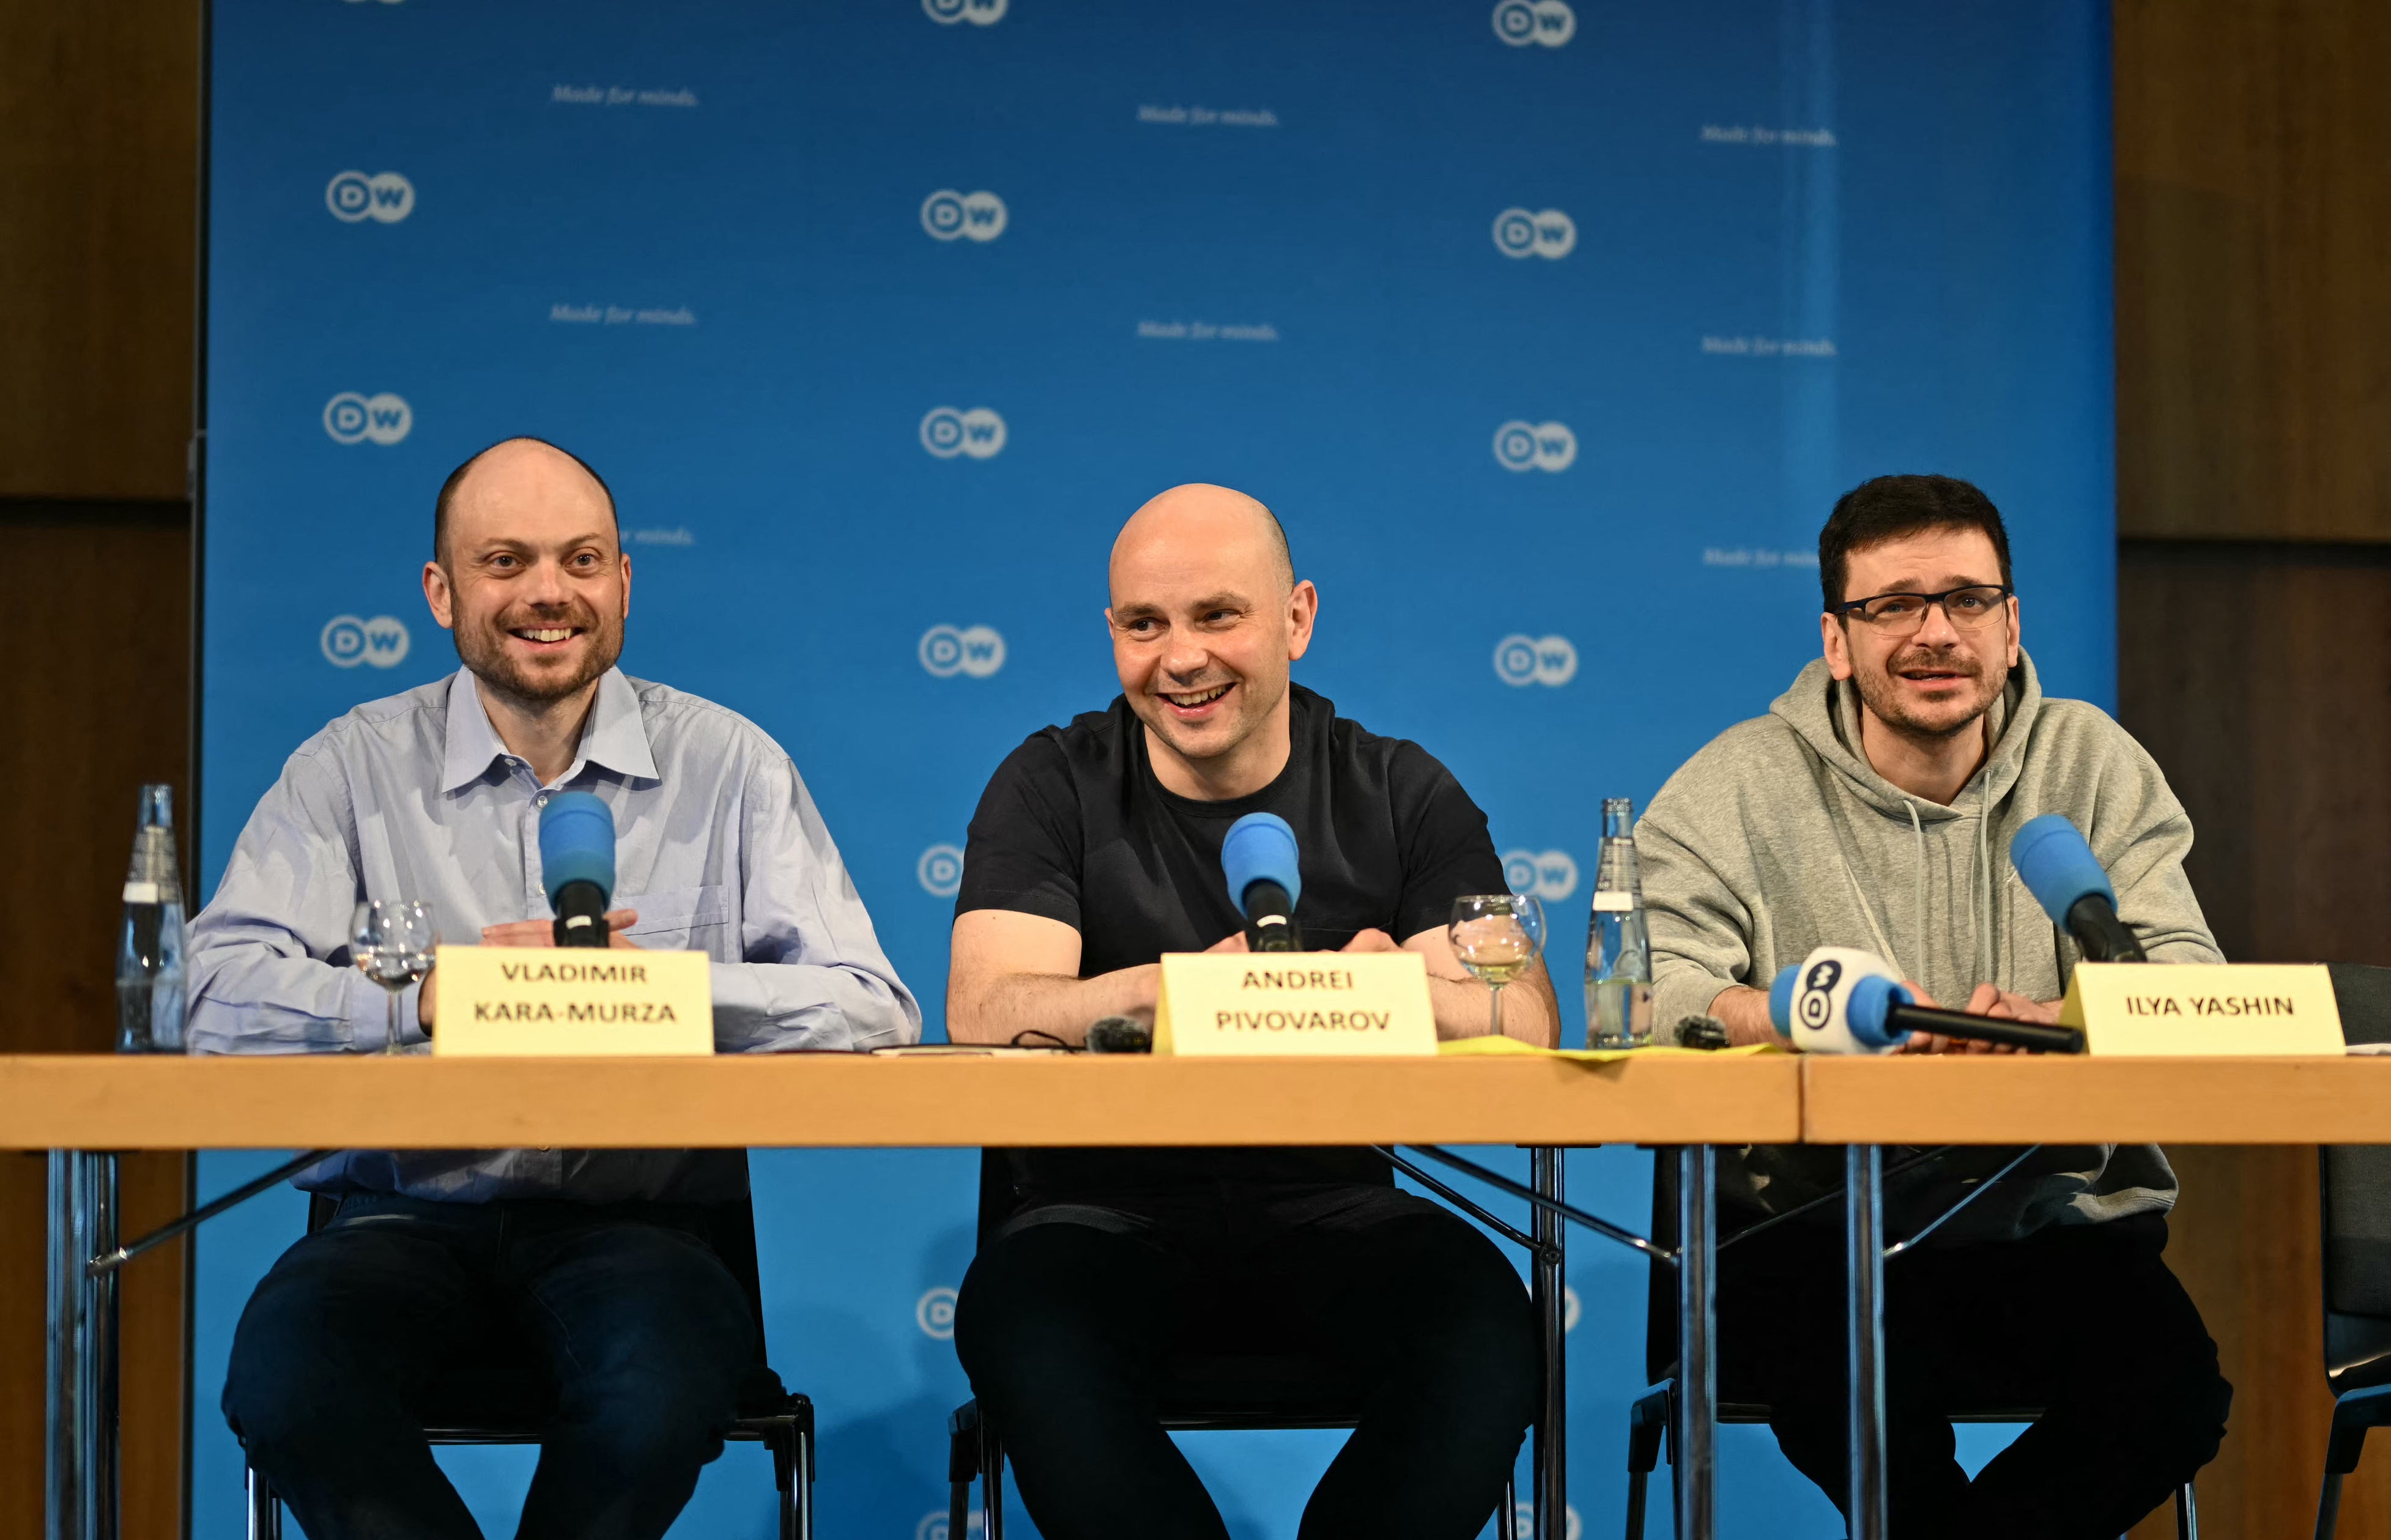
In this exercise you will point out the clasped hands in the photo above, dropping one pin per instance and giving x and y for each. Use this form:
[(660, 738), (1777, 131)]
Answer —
[(532, 933)]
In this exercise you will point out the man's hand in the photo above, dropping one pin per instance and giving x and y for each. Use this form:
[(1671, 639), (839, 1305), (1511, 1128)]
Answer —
[(1987, 1000), (1991, 1000), (1373, 940), (1234, 942), (542, 933)]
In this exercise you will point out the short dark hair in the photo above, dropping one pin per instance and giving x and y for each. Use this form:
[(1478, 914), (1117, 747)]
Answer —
[(1890, 507), (457, 478)]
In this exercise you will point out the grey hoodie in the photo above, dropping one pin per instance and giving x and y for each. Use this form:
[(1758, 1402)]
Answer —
[(1779, 837)]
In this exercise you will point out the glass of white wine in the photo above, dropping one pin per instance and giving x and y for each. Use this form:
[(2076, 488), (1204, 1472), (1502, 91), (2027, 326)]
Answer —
[(390, 942), (1497, 937)]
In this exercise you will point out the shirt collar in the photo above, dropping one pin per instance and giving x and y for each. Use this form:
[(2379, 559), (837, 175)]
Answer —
[(614, 736)]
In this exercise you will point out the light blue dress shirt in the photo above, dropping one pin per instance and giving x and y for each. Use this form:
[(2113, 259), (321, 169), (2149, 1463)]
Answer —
[(718, 846)]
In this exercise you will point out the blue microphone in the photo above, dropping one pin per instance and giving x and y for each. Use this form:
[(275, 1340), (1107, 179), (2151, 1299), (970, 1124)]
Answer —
[(576, 865), (2065, 878), (1259, 859)]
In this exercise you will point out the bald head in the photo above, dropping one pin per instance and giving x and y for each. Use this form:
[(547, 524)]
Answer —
[(514, 469), (1205, 617), (1200, 522)]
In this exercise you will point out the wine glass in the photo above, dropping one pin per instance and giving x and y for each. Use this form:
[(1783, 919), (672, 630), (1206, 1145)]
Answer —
[(1497, 937), (390, 942)]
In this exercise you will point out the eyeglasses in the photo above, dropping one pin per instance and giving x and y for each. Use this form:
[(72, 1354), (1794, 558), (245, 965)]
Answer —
[(1968, 609)]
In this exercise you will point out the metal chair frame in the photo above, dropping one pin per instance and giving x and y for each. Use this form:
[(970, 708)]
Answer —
[(975, 1448), (1655, 1413), (788, 1433), (2357, 1346), (784, 1424), (1650, 1419)]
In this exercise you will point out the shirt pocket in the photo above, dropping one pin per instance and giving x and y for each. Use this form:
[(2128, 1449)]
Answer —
[(678, 919)]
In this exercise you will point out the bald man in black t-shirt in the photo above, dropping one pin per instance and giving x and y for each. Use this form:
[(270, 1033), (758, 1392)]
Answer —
[(1095, 849)]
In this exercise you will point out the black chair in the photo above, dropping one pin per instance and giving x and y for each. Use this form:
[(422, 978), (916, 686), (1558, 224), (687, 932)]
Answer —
[(1652, 1419), (2354, 1181), (503, 1398), (1208, 1388)]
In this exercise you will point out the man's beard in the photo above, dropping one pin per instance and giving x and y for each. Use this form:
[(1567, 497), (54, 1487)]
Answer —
[(484, 652), (1885, 702)]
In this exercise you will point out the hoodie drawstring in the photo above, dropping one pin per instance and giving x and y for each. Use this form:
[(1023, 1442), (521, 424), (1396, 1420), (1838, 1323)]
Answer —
[(1918, 901)]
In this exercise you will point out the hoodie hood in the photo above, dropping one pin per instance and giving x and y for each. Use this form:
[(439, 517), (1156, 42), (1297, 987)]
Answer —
[(1825, 712)]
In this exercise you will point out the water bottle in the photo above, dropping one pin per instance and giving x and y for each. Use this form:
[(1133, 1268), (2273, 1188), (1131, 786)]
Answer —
[(1618, 952), (149, 962)]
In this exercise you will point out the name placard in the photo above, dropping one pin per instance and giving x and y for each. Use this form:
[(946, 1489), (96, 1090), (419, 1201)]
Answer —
[(1299, 1003), (2209, 1008), (517, 1002)]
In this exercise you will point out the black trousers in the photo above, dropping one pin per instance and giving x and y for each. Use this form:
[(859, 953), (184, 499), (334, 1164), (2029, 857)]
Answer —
[(623, 1310), (2084, 1321), (1065, 1323)]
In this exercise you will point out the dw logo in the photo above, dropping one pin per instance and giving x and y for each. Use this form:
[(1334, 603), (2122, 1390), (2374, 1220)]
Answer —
[(1535, 446), (348, 642), (980, 13), (1547, 874), (979, 432), (385, 198), (1524, 660), (1549, 22), (946, 651), (940, 873), (935, 1524), (1547, 233), (951, 215), (935, 1314), (352, 419)]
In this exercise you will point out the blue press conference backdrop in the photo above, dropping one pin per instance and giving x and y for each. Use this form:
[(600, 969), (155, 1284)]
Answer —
[(1551, 327)]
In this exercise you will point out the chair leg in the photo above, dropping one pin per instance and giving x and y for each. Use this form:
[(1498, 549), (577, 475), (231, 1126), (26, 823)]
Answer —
[(2328, 1507), (1648, 1420), (2187, 1513), (991, 1485), (804, 1479), (1506, 1522), (265, 1507)]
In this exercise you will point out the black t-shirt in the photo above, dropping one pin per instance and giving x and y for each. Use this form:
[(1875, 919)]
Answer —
[(1074, 827)]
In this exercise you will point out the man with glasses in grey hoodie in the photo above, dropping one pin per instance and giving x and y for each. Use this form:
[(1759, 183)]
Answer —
[(1872, 808)]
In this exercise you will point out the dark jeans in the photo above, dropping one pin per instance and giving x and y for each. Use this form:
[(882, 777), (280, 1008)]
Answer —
[(1065, 1323), (2084, 1321), (634, 1332)]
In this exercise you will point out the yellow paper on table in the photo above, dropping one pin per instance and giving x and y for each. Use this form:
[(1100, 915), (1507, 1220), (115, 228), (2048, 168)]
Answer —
[(1297, 1003), (1494, 1047), (495, 1002), (2204, 1008)]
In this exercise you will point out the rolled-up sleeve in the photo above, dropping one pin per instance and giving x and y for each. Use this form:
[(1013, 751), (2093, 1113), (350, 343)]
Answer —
[(264, 978), (812, 974)]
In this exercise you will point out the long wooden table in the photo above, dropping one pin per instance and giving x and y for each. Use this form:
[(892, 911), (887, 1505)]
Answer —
[(82, 1108), (75, 1105), (66, 1101)]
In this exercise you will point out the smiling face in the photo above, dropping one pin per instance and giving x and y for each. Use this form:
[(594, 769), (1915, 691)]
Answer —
[(1205, 617), (1937, 680), (531, 577)]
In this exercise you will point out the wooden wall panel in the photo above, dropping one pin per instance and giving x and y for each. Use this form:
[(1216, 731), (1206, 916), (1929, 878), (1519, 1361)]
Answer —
[(2254, 269), (95, 623), (98, 148), (2259, 676)]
